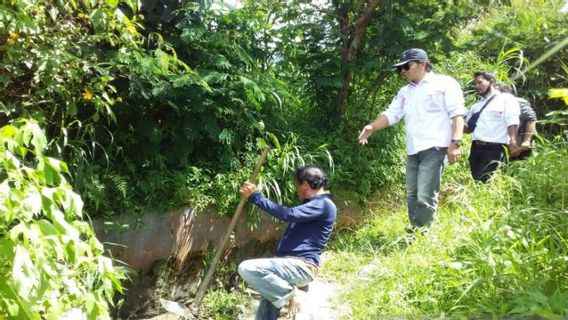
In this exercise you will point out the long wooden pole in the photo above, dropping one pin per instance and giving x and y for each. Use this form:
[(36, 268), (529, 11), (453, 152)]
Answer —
[(205, 284)]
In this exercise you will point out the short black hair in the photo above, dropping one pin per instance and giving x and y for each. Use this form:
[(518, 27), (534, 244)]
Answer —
[(485, 75), (313, 174)]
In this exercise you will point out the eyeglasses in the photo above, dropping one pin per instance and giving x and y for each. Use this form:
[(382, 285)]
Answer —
[(404, 66)]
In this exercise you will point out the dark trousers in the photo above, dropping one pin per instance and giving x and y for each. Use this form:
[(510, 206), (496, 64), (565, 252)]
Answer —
[(267, 311), (484, 158)]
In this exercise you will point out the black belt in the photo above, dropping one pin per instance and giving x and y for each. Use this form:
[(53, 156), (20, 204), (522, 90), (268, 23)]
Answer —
[(486, 144)]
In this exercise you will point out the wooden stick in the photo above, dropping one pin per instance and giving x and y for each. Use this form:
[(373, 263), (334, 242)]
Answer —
[(205, 284)]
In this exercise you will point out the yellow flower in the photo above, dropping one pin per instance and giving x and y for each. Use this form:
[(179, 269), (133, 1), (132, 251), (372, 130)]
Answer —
[(14, 36), (87, 95)]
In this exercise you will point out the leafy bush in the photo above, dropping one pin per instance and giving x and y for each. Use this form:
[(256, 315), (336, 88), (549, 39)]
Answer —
[(533, 27), (50, 260)]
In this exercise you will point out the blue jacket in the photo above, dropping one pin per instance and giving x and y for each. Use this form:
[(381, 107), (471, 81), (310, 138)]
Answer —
[(310, 225)]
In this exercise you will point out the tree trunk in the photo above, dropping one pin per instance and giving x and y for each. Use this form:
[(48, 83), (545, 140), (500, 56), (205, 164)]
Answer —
[(352, 33)]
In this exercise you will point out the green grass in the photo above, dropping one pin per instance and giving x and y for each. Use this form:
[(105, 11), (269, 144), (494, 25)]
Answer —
[(496, 250)]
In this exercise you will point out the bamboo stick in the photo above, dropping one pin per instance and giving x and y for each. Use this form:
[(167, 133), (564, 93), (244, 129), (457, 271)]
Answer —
[(205, 284)]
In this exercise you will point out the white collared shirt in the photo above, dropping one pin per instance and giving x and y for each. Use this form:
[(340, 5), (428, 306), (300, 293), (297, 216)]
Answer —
[(427, 109), (501, 113)]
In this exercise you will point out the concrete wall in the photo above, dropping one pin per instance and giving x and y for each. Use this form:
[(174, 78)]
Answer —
[(179, 233)]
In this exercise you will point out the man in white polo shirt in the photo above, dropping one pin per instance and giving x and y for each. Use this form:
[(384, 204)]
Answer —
[(433, 108), (495, 129)]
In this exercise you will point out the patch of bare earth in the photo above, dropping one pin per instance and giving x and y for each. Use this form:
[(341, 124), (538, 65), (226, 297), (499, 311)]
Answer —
[(320, 302)]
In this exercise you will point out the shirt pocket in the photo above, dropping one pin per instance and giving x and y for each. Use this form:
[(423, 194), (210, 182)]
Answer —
[(434, 101), (496, 115)]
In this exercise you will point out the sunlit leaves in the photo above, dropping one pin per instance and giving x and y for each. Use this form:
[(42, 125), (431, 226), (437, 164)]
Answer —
[(50, 261), (559, 93)]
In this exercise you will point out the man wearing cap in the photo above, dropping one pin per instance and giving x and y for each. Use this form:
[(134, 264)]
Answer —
[(433, 108), (495, 128)]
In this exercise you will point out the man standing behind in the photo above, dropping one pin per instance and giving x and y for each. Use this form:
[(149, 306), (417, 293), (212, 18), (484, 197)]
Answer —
[(527, 124), (495, 128), (433, 108), (298, 255)]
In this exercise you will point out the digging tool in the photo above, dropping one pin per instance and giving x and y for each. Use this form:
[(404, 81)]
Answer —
[(205, 284)]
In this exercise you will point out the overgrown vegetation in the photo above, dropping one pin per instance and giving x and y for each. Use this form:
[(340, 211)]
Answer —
[(156, 106), (161, 103), (51, 263), (497, 250)]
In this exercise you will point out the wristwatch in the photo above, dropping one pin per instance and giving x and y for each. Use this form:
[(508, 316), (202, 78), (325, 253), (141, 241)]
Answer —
[(457, 142)]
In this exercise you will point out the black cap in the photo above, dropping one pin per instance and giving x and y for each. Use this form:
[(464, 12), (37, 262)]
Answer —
[(413, 54)]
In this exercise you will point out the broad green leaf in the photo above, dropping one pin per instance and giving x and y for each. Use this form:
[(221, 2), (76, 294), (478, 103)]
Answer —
[(57, 165), (6, 249), (99, 19), (17, 307), (23, 275), (8, 132), (46, 227), (38, 139), (49, 173), (32, 201), (63, 226), (90, 302)]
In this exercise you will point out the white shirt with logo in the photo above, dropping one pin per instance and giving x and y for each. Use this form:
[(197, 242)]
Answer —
[(501, 113), (427, 109)]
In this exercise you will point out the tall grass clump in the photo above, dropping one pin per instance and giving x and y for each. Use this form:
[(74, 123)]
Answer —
[(496, 250)]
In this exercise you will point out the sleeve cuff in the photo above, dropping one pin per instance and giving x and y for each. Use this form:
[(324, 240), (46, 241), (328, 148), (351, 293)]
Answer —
[(254, 196)]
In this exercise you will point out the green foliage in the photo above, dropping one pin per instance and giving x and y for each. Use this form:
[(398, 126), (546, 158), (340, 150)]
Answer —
[(51, 260), (155, 107), (559, 117), (533, 27), (209, 114), (497, 250), (61, 65), (223, 305), (50, 67)]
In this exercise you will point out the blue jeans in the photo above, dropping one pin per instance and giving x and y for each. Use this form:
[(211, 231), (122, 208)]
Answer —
[(423, 174), (274, 279)]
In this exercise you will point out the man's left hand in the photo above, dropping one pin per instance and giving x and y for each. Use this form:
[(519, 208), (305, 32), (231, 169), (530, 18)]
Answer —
[(248, 188), (454, 153), (514, 149), (526, 145)]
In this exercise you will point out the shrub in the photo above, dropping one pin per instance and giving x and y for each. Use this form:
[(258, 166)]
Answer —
[(50, 260)]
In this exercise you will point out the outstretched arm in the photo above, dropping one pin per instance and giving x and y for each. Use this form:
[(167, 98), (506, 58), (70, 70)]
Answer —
[(304, 212), (379, 124)]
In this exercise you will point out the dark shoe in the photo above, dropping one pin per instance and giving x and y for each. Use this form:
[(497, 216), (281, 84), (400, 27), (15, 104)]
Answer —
[(410, 230), (267, 311)]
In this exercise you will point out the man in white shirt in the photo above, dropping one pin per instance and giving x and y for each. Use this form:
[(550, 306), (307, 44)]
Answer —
[(527, 124), (433, 108), (495, 128)]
